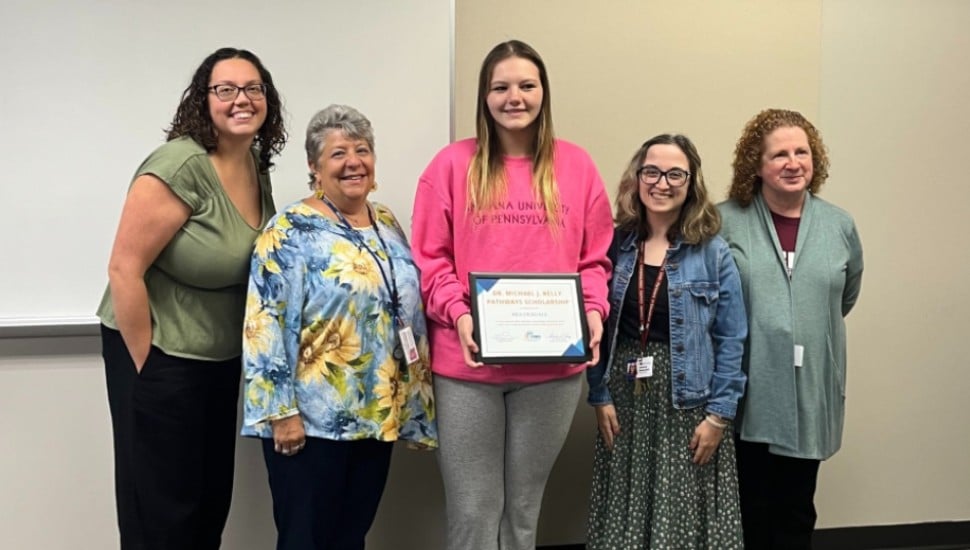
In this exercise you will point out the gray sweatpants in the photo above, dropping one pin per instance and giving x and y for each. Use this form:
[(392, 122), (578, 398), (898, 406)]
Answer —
[(498, 443)]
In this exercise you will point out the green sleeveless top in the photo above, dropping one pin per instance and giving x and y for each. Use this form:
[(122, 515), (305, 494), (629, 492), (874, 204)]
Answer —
[(197, 285)]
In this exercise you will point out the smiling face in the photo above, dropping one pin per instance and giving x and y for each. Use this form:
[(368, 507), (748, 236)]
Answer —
[(242, 117), (786, 164), (345, 169), (660, 199), (514, 95)]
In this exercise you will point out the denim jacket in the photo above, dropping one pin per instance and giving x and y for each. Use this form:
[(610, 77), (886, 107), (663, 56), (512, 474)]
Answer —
[(708, 324)]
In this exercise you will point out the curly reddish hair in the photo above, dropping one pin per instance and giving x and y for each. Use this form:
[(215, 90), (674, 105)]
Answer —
[(748, 152)]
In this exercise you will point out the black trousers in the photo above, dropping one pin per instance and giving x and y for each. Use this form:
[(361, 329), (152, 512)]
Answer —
[(777, 498), (174, 430), (325, 497)]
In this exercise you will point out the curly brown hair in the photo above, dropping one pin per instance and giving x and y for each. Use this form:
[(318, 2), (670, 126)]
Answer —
[(192, 117), (699, 220), (748, 152)]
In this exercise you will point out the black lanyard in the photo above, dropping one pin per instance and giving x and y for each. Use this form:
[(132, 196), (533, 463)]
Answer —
[(645, 322), (361, 243)]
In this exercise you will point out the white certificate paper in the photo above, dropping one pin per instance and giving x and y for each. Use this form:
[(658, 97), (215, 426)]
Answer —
[(529, 318)]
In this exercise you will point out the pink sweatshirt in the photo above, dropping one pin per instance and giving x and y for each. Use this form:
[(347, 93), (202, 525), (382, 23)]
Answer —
[(448, 243)]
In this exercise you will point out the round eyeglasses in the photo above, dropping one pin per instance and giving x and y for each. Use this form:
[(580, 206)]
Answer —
[(650, 175), (229, 92)]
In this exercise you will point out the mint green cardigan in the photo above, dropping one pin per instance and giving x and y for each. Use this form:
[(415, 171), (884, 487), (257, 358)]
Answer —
[(797, 411)]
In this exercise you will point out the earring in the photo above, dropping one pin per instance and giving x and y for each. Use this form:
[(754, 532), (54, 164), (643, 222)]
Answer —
[(373, 186)]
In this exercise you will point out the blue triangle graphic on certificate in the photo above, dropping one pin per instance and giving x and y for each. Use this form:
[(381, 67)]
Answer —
[(575, 350), (484, 285)]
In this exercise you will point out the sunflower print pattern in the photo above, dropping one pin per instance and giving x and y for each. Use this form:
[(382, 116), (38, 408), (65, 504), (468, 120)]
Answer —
[(319, 332)]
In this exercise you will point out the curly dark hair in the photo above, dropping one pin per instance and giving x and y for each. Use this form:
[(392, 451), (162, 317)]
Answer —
[(751, 146), (192, 117), (698, 220)]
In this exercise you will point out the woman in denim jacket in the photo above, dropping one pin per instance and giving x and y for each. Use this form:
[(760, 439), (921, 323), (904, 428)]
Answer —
[(669, 378)]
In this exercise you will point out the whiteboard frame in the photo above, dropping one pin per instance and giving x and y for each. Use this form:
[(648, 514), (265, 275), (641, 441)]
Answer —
[(88, 325)]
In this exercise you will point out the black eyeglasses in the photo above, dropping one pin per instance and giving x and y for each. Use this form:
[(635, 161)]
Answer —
[(650, 175), (229, 92)]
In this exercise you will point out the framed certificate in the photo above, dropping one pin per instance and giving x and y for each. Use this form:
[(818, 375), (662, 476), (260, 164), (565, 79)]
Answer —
[(529, 318)]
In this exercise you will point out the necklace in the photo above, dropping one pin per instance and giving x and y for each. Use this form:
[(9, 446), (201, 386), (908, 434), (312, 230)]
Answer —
[(359, 219)]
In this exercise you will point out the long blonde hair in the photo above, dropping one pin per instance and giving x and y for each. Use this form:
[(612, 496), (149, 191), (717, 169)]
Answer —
[(486, 173)]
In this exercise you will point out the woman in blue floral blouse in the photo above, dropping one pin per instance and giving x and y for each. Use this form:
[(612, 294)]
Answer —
[(335, 347)]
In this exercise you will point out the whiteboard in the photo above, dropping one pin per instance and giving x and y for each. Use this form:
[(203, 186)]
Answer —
[(89, 88)]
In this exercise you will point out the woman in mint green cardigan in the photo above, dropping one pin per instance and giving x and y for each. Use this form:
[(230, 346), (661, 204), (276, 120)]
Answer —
[(800, 261)]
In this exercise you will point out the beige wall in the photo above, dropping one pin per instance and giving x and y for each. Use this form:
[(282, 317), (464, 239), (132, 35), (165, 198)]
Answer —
[(625, 70), (886, 81), (894, 108)]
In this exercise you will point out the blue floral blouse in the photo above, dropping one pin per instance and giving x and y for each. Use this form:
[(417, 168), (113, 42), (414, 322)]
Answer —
[(319, 334)]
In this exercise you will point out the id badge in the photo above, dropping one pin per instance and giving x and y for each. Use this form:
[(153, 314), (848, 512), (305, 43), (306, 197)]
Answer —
[(631, 369), (645, 367), (408, 346)]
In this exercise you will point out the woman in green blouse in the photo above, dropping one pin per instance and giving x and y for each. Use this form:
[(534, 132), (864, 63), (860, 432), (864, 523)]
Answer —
[(172, 313)]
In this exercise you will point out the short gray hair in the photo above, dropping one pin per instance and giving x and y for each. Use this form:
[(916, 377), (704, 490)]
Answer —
[(341, 118)]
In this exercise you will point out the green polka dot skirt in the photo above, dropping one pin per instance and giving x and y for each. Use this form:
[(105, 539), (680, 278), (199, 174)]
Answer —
[(647, 493)]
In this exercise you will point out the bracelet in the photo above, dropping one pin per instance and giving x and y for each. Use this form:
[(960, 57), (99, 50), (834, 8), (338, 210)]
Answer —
[(715, 421)]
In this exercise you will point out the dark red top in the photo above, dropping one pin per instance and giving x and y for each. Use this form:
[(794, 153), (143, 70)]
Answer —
[(787, 229)]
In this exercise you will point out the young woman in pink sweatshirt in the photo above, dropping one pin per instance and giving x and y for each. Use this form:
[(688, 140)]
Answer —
[(513, 200)]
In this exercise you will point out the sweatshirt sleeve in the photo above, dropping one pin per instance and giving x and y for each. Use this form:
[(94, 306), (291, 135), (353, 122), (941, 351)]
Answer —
[(594, 265), (433, 244)]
